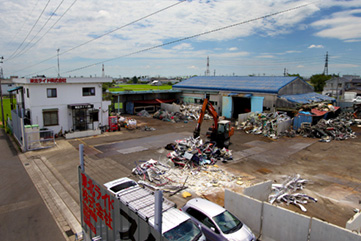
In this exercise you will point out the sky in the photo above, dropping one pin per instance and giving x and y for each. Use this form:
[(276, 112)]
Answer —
[(171, 38)]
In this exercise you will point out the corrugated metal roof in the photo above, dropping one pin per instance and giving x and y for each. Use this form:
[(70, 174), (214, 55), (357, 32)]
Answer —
[(307, 98), (261, 84)]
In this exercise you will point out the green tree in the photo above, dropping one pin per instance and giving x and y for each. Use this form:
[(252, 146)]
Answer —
[(319, 81), (296, 75), (135, 80)]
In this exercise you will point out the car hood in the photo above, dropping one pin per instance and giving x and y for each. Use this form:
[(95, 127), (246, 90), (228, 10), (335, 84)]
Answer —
[(244, 234)]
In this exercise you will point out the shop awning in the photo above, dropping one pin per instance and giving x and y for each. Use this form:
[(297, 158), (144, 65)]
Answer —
[(81, 106), (15, 88)]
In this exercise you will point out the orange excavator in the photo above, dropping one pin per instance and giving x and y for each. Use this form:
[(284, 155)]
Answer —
[(220, 132)]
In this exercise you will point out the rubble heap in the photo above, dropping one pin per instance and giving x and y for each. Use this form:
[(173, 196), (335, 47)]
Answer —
[(288, 192), (332, 129), (187, 112), (201, 180), (193, 152), (263, 123)]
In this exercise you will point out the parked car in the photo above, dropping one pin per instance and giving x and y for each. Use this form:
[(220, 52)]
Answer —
[(357, 99), (216, 222), (176, 225)]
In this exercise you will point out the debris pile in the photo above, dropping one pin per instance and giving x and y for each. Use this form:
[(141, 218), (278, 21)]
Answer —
[(130, 124), (144, 113), (200, 180), (169, 116), (193, 152), (288, 192), (332, 129), (264, 123), (185, 113)]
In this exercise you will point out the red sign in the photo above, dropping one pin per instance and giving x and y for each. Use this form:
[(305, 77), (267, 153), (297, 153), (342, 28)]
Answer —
[(95, 205), (49, 80)]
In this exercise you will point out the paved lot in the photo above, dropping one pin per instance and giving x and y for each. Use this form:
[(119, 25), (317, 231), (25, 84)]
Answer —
[(333, 169)]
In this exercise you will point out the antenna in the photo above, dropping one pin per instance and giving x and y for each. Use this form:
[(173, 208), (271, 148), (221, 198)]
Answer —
[(325, 70), (103, 74)]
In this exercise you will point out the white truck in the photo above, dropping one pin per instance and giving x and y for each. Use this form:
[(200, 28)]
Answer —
[(176, 225)]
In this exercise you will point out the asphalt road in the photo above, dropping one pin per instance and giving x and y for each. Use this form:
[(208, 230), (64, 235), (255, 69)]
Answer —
[(23, 214)]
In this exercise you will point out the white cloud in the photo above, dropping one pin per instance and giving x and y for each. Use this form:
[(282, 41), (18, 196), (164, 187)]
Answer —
[(266, 56), (300, 66), (293, 52), (314, 46), (183, 46), (233, 49), (343, 25), (192, 67)]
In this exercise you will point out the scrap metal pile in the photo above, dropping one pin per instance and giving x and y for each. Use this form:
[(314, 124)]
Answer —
[(263, 123), (201, 180), (193, 152), (332, 129), (288, 192), (187, 112)]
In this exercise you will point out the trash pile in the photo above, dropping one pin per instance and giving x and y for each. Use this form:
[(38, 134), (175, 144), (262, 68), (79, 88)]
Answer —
[(144, 113), (193, 152), (332, 129), (263, 123), (288, 192), (130, 124), (187, 112), (202, 180), (169, 116)]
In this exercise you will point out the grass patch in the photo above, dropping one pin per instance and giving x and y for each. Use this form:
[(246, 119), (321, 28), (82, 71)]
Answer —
[(140, 87), (7, 108)]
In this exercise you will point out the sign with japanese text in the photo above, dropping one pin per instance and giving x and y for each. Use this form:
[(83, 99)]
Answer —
[(97, 204), (47, 80)]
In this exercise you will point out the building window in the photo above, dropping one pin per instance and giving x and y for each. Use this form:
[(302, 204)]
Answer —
[(89, 91), (51, 93), (27, 93), (50, 117)]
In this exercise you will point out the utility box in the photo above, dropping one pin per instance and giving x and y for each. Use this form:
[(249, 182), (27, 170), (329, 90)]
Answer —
[(113, 123), (32, 134)]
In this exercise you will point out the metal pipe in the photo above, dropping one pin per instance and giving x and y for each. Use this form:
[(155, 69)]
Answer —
[(81, 156), (158, 210)]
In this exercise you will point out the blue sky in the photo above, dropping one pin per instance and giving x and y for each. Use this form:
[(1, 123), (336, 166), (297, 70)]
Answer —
[(297, 39)]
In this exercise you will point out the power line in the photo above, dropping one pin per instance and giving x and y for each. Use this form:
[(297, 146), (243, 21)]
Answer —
[(23, 51), (30, 30), (107, 33), (192, 36)]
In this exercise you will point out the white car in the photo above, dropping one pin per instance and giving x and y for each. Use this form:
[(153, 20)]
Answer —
[(119, 185), (216, 223), (357, 99)]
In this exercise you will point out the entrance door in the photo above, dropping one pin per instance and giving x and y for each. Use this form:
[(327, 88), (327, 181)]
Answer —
[(80, 119), (241, 105)]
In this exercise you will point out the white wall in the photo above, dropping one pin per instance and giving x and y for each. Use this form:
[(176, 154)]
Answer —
[(67, 93)]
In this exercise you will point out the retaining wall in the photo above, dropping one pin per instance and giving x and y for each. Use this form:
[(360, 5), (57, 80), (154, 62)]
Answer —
[(245, 208), (279, 224), (260, 191), (354, 224)]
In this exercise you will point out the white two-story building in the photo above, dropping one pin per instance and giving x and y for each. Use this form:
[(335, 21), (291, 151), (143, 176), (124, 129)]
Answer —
[(63, 105)]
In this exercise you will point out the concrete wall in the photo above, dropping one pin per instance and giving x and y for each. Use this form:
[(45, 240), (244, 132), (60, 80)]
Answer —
[(274, 223), (325, 231), (354, 224), (247, 209), (260, 191), (283, 225)]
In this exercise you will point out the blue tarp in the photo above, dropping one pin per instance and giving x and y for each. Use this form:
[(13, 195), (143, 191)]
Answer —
[(307, 98)]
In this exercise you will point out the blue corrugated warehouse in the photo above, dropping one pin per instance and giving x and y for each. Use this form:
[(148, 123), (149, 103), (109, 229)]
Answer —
[(232, 95)]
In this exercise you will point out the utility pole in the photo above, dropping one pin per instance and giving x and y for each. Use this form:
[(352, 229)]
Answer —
[(325, 70), (58, 63), (1, 91), (207, 71)]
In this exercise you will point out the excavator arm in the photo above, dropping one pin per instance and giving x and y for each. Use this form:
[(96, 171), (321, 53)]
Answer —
[(207, 106)]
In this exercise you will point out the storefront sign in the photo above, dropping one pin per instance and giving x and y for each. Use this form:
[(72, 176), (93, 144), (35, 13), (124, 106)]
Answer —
[(47, 80)]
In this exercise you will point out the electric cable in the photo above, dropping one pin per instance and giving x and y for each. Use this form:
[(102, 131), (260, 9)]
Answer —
[(158, 11), (192, 36), (23, 51), (41, 14)]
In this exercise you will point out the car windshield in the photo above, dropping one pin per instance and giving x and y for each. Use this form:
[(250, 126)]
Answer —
[(184, 231), (227, 222)]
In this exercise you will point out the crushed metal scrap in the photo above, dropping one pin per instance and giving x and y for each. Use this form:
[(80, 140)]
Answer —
[(186, 113), (201, 180), (288, 192), (193, 152)]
